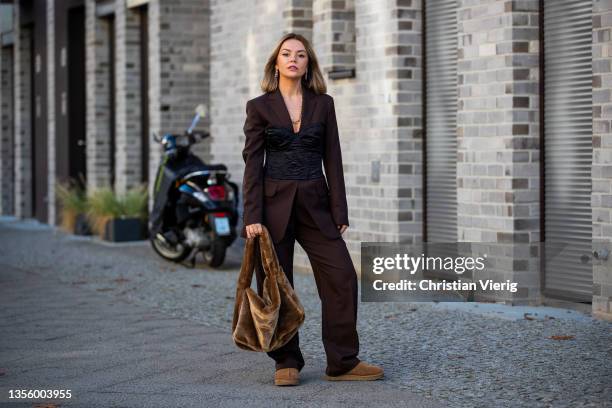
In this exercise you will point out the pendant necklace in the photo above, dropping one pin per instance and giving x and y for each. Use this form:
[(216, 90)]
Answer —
[(295, 122)]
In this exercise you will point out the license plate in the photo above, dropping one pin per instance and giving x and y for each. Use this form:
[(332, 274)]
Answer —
[(222, 226)]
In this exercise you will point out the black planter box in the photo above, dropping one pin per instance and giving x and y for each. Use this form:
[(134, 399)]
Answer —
[(123, 230), (81, 226)]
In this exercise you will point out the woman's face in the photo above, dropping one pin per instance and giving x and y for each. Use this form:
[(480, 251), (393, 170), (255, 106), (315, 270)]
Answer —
[(292, 59)]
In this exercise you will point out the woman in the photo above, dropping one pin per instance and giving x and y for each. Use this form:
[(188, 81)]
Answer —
[(294, 124)]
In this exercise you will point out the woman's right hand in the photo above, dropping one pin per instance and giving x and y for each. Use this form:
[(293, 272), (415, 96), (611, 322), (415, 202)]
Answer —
[(253, 229)]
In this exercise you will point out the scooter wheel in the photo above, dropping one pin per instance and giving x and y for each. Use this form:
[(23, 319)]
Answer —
[(215, 255), (172, 253)]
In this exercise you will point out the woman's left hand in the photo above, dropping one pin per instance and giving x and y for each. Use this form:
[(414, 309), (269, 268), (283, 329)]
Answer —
[(342, 228)]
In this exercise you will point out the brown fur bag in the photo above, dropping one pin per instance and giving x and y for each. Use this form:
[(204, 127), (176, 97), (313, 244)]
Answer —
[(268, 322)]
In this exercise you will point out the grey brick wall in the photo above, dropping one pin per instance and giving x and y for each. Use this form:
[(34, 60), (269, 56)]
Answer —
[(380, 120), (213, 51), (127, 97), (50, 49), (379, 111), (498, 132), (98, 96), (335, 34), (179, 50), (601, 198), (155, 92), (242, 34), (298, 17), (23, 118), (379, 116), (7, 171)]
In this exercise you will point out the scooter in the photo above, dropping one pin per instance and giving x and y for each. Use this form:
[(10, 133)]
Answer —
[(195, 205)]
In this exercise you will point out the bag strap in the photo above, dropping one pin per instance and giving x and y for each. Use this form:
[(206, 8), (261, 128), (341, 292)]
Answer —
[(269, 263), (248, 264), (249, 258)]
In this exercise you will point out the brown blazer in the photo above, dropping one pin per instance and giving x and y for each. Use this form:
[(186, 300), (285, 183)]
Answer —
[(269, 201)]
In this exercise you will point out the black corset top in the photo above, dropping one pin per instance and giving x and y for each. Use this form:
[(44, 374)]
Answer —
[(295, 156)]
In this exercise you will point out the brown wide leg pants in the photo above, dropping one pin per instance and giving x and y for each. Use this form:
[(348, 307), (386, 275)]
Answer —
[(336, 282)]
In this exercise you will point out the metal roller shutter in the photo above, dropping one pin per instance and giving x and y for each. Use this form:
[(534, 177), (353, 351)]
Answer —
[(441, 120), (568, 147)]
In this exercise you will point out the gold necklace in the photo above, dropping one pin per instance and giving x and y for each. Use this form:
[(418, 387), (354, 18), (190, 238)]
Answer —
[(295, 122)]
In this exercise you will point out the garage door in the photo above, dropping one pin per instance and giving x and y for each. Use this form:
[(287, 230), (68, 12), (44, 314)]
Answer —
[(441, 120), (568, 147)]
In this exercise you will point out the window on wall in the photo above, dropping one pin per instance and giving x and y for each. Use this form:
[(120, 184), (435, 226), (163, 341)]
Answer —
[(441, 121), (567, 147)]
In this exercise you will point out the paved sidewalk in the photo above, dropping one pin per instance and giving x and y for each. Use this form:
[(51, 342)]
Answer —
[(109, 352), (121, 327)]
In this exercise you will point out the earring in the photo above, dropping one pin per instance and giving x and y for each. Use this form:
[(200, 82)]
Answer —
[(276, 74), (306, 75)]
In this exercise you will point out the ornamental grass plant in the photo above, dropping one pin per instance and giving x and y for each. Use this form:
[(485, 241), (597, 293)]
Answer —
[(73, 202), (104, 205)]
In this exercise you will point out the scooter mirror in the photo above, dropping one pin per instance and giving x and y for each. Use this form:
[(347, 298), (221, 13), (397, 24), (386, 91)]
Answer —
[(202, 110), (156, 137)]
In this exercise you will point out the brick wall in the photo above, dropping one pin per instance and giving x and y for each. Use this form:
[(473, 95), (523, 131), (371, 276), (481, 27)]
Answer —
[(7, 147), (23, 117), (98, 96), (335, 34), (298, 16), (601, 198), (380, 122), (127, 97), (379, 115), (50, 49), (379, 111), (179, 50), (242, 34), (498, 132), (214, 53)]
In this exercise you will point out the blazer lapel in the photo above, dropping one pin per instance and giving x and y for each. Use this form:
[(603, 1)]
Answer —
[(282, 113)]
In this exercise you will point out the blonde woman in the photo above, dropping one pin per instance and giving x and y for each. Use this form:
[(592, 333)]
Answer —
[(294, 125)]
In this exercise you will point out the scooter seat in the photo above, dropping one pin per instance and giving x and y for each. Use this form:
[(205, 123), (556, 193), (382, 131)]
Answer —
[(214, 167)]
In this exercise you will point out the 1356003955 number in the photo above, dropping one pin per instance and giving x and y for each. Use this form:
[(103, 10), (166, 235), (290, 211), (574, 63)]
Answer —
[(38, 394)]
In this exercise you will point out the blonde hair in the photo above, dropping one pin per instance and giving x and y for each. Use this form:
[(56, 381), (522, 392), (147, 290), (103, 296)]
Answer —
[(315, 78)]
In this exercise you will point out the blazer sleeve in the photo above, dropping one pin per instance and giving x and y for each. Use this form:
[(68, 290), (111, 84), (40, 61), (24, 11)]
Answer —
[(253, 156), (332, 161)]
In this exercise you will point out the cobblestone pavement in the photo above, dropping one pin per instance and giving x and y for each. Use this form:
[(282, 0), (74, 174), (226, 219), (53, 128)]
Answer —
[(461, 355)]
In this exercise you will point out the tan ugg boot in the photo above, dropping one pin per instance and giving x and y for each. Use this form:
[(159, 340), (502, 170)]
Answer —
[(361, 372), (287, 376)]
